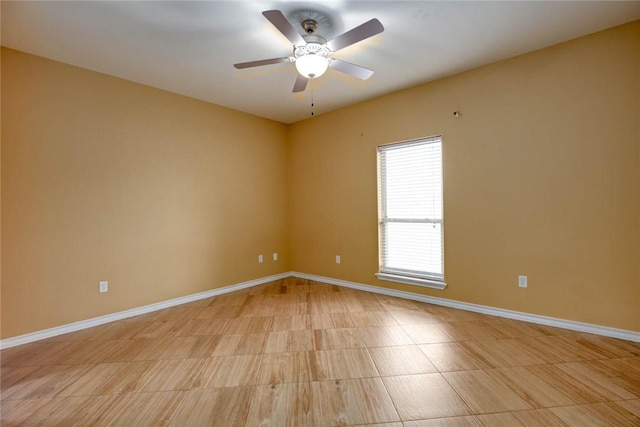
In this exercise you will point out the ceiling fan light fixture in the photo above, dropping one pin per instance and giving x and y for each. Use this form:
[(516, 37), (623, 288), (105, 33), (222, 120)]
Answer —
[(311, 65), (312, 52)]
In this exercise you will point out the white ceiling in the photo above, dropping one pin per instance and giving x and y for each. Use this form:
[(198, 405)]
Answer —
[(189, 47)]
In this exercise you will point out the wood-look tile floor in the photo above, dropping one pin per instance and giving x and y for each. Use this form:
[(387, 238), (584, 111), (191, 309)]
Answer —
[(300, 353)]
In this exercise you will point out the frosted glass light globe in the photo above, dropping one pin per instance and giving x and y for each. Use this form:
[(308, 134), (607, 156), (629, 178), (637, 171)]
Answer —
[(311, 65)]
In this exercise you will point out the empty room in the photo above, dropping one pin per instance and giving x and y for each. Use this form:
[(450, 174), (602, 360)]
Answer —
[(337, 213)]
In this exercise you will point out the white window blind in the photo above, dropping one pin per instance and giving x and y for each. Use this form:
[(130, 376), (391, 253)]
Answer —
[(410, 212)]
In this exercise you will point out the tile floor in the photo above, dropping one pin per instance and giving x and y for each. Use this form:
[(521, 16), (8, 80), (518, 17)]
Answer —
[(301, 353)]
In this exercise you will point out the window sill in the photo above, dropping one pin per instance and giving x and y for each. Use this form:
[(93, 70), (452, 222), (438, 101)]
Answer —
[(434, 284)]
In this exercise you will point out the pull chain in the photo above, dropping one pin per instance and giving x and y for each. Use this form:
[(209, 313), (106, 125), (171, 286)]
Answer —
[(312, 104)]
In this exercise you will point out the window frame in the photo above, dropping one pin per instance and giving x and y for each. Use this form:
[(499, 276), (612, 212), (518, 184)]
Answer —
[(401, 275)]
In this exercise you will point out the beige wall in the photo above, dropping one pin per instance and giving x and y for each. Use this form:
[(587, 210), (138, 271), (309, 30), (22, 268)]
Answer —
[(542, 175), (166, 196), (103, 179)]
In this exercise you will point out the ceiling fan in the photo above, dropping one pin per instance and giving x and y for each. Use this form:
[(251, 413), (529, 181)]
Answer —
[(311, 52)]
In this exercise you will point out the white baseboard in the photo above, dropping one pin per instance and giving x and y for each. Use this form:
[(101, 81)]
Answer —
[(509, 314), (89, 323)]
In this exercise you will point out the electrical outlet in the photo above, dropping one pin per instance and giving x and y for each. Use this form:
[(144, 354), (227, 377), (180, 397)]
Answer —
[(260, 259), (338, 259), (522, 281), (103, 286), (275, 256)]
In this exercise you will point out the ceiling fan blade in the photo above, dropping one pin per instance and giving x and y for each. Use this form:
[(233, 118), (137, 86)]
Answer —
[(250, 64), (355, 35), (301, 83), (350, 69), (284, 26)]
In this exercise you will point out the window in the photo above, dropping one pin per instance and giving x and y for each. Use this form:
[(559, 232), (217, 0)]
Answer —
[(410, 212)]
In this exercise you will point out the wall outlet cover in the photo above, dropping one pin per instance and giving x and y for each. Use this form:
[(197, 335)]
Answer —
[(522, 281)]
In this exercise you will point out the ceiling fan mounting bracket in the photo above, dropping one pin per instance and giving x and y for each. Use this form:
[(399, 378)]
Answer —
[(309, 26), (317, 17)]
